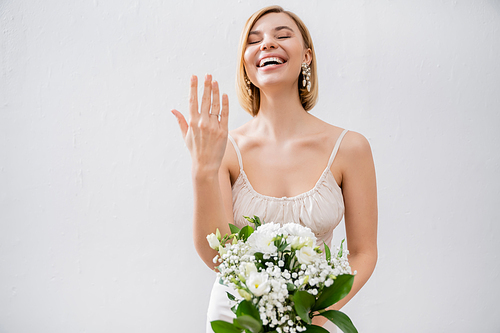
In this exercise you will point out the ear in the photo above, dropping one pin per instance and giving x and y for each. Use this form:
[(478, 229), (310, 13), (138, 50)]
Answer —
[(307, 56)]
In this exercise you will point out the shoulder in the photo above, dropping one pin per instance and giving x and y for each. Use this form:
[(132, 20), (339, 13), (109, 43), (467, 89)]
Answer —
[(354, 157), (355, 144)]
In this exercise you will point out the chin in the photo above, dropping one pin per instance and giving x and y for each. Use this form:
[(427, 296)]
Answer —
[(275, 82)]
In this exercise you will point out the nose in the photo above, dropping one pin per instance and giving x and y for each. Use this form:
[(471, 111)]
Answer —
[(268, 43)]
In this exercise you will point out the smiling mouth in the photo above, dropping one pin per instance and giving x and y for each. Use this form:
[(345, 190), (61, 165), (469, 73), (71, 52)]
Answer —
[(270, 62)]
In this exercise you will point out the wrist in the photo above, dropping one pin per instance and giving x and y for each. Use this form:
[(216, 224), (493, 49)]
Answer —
[(204, 174)]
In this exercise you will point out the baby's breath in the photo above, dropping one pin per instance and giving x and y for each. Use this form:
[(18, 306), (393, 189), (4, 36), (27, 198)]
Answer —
[(272, 264)]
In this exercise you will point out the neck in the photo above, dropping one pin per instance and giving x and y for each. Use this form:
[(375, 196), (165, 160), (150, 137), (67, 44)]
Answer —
[(281, 115)]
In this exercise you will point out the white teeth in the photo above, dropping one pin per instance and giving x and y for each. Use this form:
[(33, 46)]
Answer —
[(266, 60)]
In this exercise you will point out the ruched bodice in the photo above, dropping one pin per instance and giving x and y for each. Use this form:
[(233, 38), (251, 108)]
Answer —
[(321, 208)]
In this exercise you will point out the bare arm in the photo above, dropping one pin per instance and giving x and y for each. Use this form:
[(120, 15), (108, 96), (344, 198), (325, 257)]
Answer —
[(206, 138), (361, 215)]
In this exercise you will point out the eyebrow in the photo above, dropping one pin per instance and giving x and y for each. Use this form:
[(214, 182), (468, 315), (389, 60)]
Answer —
[(278, 28)]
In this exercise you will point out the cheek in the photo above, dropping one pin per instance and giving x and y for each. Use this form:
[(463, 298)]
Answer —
[(248, 59), (250, 69)]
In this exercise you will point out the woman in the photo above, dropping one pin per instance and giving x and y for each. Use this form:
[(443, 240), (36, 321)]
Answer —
[(285, 165)]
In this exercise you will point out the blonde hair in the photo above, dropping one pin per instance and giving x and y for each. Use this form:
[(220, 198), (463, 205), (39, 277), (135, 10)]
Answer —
[(251, 102)]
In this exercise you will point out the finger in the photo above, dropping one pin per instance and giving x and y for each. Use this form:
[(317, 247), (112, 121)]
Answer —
[(215, 99), (193, 98), (182, 122), (206, 99), (224, 116)]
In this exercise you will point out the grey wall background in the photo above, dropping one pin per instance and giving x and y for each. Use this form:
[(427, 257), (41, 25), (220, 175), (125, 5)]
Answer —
[(95, 189)]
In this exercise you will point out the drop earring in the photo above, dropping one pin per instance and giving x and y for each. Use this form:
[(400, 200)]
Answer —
[(249, 85), (306, 76)]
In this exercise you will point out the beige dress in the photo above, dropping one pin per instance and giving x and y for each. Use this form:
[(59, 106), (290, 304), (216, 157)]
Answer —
[(321, 209)]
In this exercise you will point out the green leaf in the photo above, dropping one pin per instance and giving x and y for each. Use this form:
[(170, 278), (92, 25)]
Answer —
[(327, 252), (230, 296), (249, 219), (341, 251), (222, 282), (288, 261), (290, 286), (247, 308), (282, 247), (303, 302), (220, 326), (234, 229), (338, 290), (254, 220), (260, 261), (257, 220), (245, 232), (314, 329), (249, 323), (341, 320), (259, 255)]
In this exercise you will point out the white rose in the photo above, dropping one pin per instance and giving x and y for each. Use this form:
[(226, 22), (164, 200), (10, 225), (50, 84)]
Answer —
[(299, 242), (263, 243), (295, 229), (262, 239), (258, 284), (270, 228), (306, 255), (213, 241)]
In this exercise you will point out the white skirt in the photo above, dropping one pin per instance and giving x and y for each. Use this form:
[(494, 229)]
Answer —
[(219, 307)]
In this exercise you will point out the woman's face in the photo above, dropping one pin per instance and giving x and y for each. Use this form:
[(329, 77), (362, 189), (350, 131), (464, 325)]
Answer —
[(275, 51)]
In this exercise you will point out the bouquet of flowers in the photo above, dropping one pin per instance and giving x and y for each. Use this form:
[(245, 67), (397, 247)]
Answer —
[(283, 279)]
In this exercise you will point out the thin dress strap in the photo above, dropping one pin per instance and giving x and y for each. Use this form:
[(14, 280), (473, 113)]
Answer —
[(240, 161), (336, 148)]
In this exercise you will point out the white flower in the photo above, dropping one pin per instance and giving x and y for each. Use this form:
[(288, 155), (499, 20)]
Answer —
[(222, 250), (213, 241), (269, 228), (313, 281), (295, 229), (266, 282), (313, 291), (262, 240), (258, 284), (299, 242), (247, 268), (306, 255), (245, 294)]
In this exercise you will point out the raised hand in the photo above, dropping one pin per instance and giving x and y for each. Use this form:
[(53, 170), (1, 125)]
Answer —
[(206, 132)]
